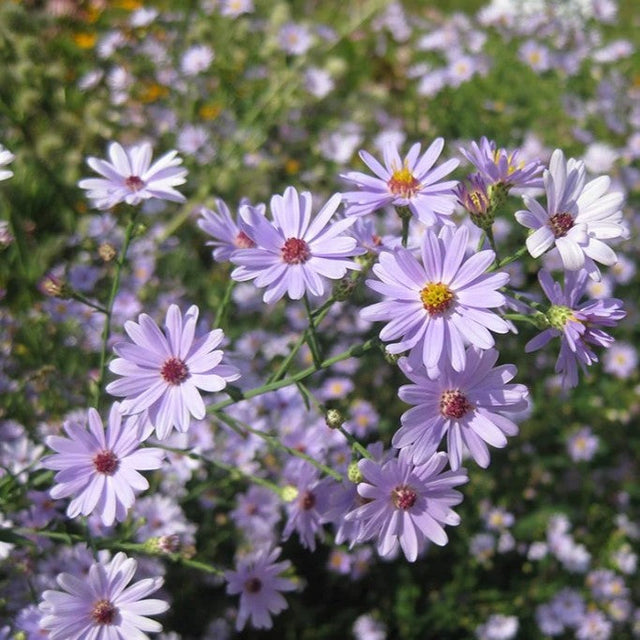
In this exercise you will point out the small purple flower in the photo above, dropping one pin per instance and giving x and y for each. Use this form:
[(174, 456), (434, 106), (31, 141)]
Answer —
[(438, 306), (258, 581), (228, 235), (577, 324), (294, 254), (577, 219), (99, 467), (162, 372), (407, 505), (466, 406), (412, 182), (100, 606), (501, 167), (130, 177)]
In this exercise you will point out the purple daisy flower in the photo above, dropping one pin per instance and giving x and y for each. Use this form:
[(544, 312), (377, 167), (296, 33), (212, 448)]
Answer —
[(258, 581), (228, 235), (162, 372), (412, 182), (438, 306), (130, 177), (502, 167), (100, 606), (465, 406), (99, 467), (294, 254), (577, 219), (577, 324), (407, 505)]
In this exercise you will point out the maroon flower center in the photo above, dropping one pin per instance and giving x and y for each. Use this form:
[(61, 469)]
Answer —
[(403, 183), (454, 404), (174, 371), (253, 585), (106, 462), (135, 183), (560, 223), (404, 497), (436, 297), (104, 612), (308, 500), (295, 251), (243, 241)]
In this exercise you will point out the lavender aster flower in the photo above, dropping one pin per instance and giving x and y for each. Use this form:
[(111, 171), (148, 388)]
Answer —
[(577, 219), (407, 505), (465, 406), (228, 235), (99, 467), (130, 177), (258, 581), (100, 606), (412, 182), (294, 254), (162, 372), (501, 167), (577, 324), (5, 158), (437, 306)]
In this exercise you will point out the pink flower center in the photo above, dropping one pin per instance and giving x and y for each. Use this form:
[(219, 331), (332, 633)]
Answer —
[(560, 223), (404, 497), (436, 297), (403, 183), (454, 404), (295, 251), (135, 183), (106, 462), (174, 371), (253, 585), (308, 500), (104, 612), (243, 241)]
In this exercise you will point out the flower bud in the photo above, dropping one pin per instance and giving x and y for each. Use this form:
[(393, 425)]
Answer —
[(354, 474), (334, 419)]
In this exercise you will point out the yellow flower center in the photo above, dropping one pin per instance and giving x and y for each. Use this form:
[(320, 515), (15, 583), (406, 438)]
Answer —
[(403, 183), (436, 297)]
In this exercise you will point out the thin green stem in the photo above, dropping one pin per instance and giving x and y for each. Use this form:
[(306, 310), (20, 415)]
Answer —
[(318, 316), (222, 309), (355, 445), (509, 259), (355, 351), (405, 231), (312, 337), (115, 285), (519, 317), (94, 305)]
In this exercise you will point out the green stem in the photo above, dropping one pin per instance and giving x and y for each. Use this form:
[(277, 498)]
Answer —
[(222, 309), (116, 545), (509, 259), (355, 445), (405, 231), (311, 333), (518, 317), (354, 351), (94, 305), (274, 442), (318, 315), (115, 285)]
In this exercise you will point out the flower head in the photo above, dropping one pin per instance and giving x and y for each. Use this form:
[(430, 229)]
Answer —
[(258, 581), (577, 324), (101, 606), (130, 177), (5, 158), (99, 467), (227, 234), (502, 167), (465, 406), (577, 219), (162, 372), (438, 306), (412, 182), (407, 505), (294, 254)]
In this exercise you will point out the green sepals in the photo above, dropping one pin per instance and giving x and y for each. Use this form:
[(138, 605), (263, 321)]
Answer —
[(558, 316), (354, 474)]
